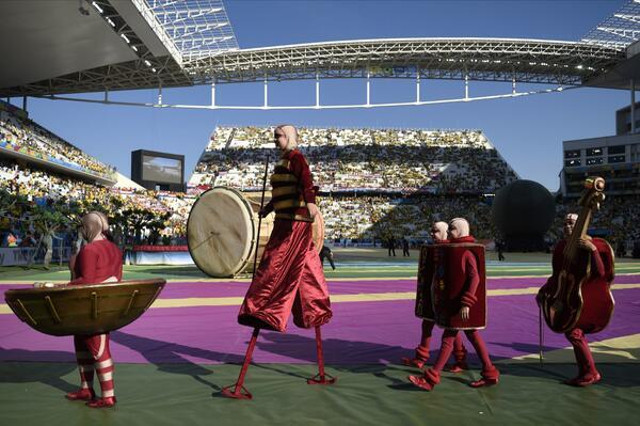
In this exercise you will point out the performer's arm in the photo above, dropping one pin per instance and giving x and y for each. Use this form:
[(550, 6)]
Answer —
[(267, 209), (473, 279), (300, 168), (597, 265), (86, 266)]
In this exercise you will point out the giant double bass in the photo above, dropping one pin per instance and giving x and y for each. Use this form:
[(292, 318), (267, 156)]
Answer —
[(573, 296)]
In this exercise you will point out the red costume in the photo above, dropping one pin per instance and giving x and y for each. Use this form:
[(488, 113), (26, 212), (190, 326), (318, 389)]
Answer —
[(424, 310), (290, 276), (459, 281), (98, 261), (601, 266)]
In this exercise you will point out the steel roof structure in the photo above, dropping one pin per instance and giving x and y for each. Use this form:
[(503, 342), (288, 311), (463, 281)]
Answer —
[(530, 61), (175, 43)]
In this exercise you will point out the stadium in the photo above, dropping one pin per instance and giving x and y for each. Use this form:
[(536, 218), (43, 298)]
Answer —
[(400, 130)]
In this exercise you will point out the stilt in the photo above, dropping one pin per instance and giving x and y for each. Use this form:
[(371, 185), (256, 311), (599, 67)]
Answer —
[(239, 391), (321, 378)]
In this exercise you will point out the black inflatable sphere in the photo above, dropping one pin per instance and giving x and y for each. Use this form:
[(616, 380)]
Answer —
[(523, 208)]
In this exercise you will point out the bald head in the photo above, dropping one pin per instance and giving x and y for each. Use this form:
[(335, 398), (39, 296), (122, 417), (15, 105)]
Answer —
[(459, 227), (286, 137), (439, 231)]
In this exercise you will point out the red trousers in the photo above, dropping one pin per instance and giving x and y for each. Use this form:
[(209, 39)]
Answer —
[(489, 371), (422, 351), (578, 340), (93, 353), (289, 279)]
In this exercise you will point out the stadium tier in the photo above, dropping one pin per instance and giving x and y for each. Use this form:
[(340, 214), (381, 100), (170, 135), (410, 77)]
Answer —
[(24, 139), (407, 161), (374, 184)]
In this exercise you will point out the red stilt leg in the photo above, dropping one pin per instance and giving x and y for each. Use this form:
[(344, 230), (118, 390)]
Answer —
[(321, 378), (239, 391)]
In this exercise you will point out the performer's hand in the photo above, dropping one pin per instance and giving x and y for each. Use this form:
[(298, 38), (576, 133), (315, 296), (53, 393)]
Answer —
[(264, 212), (464, 313), (313, 210), (585, 243)]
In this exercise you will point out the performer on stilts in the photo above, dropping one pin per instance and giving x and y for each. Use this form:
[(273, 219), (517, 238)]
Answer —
[(290, 276), (439, 235), (98, 261), (459, 302), (595, 290)]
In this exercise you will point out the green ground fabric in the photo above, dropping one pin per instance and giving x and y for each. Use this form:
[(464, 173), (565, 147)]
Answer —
[(346, 271), (32, 394)]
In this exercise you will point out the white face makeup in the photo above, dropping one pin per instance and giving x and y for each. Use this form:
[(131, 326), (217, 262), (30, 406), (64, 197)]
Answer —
[(438, 234), (280, 139), (454, 232)]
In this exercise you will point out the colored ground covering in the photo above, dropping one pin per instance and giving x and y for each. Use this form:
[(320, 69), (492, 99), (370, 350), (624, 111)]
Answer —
[(172, 362), (172, 394)]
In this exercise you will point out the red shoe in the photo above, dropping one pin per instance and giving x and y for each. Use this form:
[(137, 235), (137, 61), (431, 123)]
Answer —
[(413, 362), (584, 381), (483, 382), (456, 368), (572, 382), (81, 395), (107, 402), (421, 382)]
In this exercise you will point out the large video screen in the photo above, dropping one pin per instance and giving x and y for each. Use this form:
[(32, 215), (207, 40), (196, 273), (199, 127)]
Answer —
[(161, 169)]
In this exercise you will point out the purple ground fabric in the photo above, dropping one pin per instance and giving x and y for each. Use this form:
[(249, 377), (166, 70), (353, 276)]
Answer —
[(360, 332)]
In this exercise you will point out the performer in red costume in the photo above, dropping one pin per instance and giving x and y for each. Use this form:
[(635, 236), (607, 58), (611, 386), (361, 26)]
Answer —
[(457, 309), (439, 235), (290, 276), (587, 373), (98, 261)]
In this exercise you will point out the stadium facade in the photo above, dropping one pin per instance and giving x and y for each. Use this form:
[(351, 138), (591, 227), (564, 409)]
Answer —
[(615, 158)]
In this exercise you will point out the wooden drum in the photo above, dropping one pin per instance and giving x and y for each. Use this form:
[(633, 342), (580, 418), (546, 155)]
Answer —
[(66, 310), (222, 231)]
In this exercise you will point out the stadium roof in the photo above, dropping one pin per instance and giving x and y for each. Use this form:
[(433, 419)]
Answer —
[(107, 45)]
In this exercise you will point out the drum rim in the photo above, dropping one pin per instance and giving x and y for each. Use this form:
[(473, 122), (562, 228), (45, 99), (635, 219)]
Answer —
[(244, 259), (73, 287)]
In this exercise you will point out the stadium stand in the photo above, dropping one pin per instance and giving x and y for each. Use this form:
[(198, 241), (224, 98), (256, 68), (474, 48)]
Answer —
[(18, 134), (374, 184)]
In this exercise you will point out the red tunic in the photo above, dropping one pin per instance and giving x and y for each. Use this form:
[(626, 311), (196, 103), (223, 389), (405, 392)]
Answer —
[(459, 280), (290, 276), (97, 262)]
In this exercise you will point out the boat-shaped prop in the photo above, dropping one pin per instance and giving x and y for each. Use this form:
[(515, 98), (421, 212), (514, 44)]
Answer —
[(65, 310)]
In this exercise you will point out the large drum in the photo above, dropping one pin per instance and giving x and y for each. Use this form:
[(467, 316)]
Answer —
[(83, 309), (223, 227)]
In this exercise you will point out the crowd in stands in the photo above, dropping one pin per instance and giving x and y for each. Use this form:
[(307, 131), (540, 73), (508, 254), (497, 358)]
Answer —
[(434, 161), (381, 217), (617, 220), (40, 187), (19, 134), (375, 185)]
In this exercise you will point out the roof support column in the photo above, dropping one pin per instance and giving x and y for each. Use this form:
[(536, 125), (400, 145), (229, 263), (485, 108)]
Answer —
[(24, 103), (368, 88), (160, 94), (317, 90), (513, 86), (213, 93), (418, 86), (466, 86), (633, 106), (266, 92)]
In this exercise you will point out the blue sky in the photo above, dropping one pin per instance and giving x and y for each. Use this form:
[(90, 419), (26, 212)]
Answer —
[(528, 131)]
